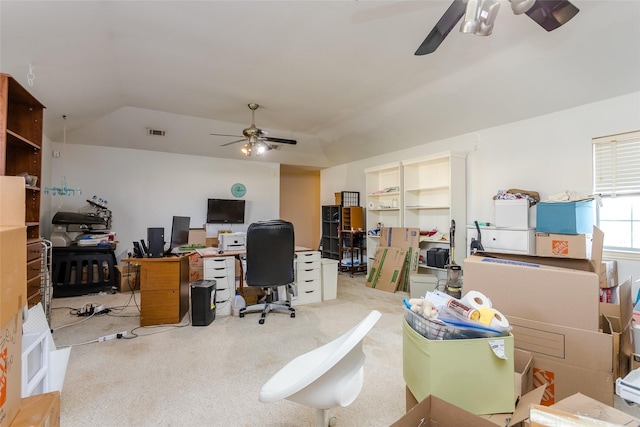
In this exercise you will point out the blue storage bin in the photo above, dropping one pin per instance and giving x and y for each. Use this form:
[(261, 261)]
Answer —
[(565, 217)]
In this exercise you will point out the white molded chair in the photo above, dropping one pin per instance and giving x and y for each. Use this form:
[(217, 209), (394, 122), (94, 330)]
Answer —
[(324, 378)]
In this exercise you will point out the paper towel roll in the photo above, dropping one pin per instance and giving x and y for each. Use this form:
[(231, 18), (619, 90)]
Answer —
[(499, 321), (476, 300), (493, 318), (370, 205)]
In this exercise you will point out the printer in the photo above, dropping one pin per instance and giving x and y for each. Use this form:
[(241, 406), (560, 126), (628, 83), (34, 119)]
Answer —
[(89, 226), (232, 241)]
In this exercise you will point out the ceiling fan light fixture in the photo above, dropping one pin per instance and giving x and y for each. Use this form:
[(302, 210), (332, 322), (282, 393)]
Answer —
[(246, 149), (263, 147), (486, 17), (479, 17), (521, 6)]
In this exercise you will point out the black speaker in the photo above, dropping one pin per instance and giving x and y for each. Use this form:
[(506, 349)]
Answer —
[(203, 302), (155, 237)]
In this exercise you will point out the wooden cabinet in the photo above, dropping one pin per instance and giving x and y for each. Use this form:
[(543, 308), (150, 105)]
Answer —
[(434, 194), (352, 218), (164, 289), (21, 117), (383, 202), (330, 226)]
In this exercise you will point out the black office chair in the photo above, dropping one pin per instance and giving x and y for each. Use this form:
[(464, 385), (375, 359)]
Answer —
[(270, 254)]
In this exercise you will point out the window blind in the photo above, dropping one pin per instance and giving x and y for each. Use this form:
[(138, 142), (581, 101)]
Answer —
[(616, 164)]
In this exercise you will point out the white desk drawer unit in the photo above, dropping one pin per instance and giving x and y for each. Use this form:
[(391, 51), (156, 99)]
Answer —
[(308, 278), (223, 271), (509, 240)]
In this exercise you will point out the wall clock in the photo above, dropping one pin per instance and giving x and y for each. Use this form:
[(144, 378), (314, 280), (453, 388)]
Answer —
[(238, 189)]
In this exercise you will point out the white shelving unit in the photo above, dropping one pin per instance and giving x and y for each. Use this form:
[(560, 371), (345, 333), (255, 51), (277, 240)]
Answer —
[(383, 202), (434, 194)]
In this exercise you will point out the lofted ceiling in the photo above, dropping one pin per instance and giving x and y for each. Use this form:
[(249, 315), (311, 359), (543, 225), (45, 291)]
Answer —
[(340, 77)]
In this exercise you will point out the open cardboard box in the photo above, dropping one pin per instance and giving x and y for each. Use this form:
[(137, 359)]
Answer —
[(579, 409), (433, 411), (576, 409), (571, 352)]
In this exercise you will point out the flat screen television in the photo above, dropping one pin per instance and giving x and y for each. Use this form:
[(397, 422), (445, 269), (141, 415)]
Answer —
[(225, 211), (179, 233)]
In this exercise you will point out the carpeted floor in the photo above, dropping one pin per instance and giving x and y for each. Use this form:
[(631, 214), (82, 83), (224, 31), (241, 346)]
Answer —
[(187, 375), (194, 376)]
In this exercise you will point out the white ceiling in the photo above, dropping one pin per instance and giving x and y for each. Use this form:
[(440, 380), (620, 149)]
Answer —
[(341, 77)]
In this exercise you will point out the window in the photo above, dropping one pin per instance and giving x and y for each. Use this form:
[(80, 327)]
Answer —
[(616, 178)]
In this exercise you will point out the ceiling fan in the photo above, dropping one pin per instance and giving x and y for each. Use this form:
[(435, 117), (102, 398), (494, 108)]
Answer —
[(479, 16), (257, 139)]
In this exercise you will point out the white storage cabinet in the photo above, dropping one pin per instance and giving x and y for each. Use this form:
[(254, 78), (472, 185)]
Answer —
[(507, 240), (223, 271), (308, 278)]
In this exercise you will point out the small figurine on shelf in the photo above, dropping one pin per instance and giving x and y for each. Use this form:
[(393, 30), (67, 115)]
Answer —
[(375, 231)]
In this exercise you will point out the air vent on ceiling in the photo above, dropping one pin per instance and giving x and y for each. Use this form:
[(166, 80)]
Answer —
[(156, 132)]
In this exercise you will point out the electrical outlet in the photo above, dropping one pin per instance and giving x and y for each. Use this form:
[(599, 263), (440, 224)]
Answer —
[(113, 336)]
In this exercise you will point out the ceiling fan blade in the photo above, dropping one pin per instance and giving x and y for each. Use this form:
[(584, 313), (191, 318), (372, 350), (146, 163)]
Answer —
[(551, 14), (443, 27), (279, 140), (224, 134), (233, 142)]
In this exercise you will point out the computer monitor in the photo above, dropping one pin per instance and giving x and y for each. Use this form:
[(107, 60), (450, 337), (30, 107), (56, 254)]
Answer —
[(179, 233)]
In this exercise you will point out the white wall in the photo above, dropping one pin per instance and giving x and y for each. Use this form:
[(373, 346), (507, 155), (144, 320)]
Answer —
[(146, 188), (548, 154)]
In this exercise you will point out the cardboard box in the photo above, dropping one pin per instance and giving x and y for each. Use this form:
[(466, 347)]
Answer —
[(565, 217), (13, 271), (615, 319), (128, 277), (591, 409), (387, 269), (571, 353), (609, 274), (546, 286), (12, 197), (564, 245), (544, 292), (568, 360), (523, 371), (10, 369), (40, 410), (197, 236), (196, 267), (407, 239), (438, 413), (511, 213), (421, 413), (464, 372)]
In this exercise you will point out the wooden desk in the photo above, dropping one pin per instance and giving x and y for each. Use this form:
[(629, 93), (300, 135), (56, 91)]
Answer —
[(164, 289)]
